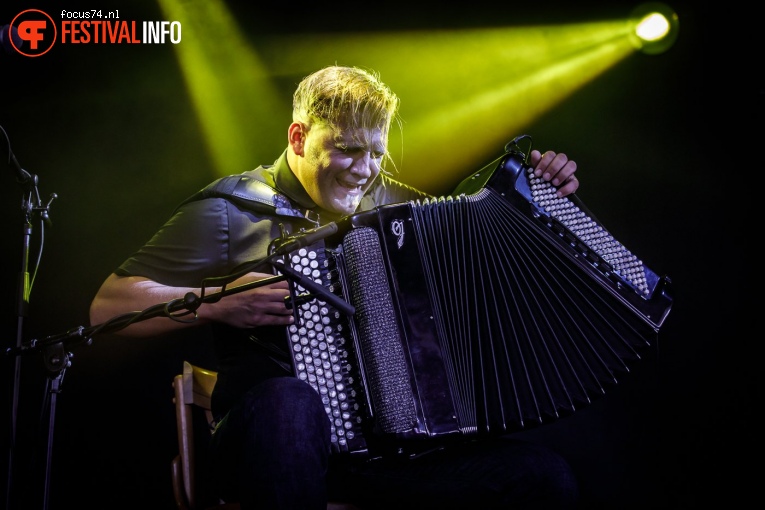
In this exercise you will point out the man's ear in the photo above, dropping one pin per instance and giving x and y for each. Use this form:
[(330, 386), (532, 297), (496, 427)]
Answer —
[(296, 136)]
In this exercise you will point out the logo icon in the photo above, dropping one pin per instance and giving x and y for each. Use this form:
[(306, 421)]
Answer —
[(397, 228), (36, 30)]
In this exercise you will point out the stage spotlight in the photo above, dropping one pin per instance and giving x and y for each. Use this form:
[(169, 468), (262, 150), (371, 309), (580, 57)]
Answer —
[(654, 27)]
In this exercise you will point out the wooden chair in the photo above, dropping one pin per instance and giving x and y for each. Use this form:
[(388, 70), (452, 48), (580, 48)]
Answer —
[(194, 420), (195, 423)]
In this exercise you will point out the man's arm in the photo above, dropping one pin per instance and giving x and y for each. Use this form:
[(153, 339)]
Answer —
[(260, 306)]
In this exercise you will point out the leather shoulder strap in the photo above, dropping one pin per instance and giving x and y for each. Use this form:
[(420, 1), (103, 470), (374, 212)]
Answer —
[(249, 192)]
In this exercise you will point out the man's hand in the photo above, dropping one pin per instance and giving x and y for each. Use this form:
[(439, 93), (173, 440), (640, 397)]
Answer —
[(557, 169)]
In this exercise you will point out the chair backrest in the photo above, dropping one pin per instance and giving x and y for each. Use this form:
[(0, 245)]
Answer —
[(194, 419), (193, 389)]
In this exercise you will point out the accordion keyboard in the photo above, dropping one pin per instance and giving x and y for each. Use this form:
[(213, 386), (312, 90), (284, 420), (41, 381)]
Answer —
[(320, 343)]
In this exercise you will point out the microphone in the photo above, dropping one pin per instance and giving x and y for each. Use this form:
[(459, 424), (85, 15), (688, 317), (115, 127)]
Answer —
[(303, 239), (308, 284), (8, 34), (22, 176)]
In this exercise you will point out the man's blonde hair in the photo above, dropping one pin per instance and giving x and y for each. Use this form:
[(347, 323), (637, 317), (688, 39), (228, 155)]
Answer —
[(345, 98)]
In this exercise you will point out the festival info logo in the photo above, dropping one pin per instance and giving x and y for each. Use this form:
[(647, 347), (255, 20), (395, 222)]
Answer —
[(36, 31), (33, 32)]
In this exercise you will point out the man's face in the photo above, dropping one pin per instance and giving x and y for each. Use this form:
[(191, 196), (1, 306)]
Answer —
[(338, 167)]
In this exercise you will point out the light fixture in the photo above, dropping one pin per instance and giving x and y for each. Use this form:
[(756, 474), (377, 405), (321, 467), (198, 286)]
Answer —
[(654, 27)]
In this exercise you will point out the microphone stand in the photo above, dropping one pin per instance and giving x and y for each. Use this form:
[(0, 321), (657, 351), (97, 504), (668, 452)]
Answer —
[(30, 205), (55, 348)]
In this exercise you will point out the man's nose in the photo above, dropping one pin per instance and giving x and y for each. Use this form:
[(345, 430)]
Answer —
[(363, 165)]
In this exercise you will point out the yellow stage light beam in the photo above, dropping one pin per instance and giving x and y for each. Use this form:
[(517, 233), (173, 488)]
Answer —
[(464, 93), (229, 87)]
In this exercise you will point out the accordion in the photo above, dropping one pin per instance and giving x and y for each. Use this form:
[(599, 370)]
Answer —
[(495, 309)]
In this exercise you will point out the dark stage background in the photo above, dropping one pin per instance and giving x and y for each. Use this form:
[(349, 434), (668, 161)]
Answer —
[(113, 134)]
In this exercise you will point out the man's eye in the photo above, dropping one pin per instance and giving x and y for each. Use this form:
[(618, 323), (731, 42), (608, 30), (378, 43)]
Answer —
[(347, 149)]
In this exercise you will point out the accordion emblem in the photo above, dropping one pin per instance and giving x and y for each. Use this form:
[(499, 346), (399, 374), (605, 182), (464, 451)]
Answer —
[(498, 308)]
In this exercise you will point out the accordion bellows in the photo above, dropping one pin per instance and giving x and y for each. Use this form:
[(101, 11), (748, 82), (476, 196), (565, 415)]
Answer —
[(496, 309)]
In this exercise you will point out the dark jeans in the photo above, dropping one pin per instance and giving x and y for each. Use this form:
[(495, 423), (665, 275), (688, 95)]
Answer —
[(272, 451)]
